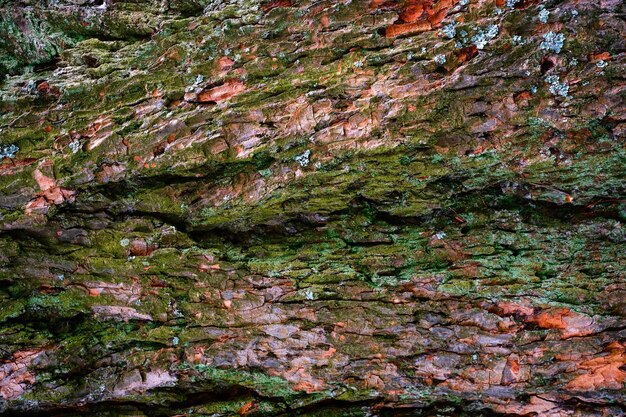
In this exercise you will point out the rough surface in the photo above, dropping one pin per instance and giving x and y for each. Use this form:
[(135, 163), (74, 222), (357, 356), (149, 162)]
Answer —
[(320, 208)]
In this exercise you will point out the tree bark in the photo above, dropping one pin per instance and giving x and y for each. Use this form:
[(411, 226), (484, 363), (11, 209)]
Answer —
[(315, 208)]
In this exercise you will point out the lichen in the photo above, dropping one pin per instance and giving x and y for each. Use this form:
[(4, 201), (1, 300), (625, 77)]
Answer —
[(303, 158), (543, 16), (552, 42), (557, 87), (449, 30), (518, 40), (482, 37), (8, 151), (511, 3), (74, 146)]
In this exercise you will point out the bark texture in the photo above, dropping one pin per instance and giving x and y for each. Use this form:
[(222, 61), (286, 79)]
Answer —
[(315, 208)]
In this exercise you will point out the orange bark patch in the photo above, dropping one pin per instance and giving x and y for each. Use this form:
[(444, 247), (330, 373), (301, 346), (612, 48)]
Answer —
[(522, 97), (51, 194), (205, 268), (303, 381), (604, 372), (413, 12), (406, 28), (225, 63), (375, 4), (509, 308), (222, 92), (417, 16), (14, 374), (94, 292), (511, 371), (45, 183), (466, 54), (247, 408), (568, 322), (328, 354), (600, 56), (96, 126), (307, 387), (276, 3), (139, 247), (43, 87)]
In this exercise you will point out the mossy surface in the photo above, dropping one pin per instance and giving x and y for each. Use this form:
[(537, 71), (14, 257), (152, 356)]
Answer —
[(277, 208)]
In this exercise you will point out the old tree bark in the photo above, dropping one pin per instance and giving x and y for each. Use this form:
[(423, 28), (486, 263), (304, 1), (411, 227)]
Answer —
[(320, 208)]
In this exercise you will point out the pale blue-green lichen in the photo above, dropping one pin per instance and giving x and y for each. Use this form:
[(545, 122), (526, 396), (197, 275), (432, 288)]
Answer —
[(552, 42), (482, 37), (303, 158), (8, 151), (557, 87), (449, 31)]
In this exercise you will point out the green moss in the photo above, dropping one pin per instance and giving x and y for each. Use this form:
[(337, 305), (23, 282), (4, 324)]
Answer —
[(262, 384)]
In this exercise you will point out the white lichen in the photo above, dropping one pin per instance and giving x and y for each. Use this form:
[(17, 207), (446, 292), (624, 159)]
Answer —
[(601, 63), (552, 42), (492, 31), (303, 158), (557, 87), (440, 59), (449, 31), (544, 15), (8, 151), (482, 37), (74, 146)]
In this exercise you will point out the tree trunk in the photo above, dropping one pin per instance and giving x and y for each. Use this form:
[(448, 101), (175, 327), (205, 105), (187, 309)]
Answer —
[(314, 208)]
